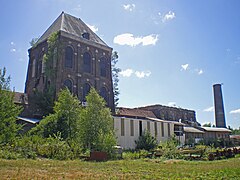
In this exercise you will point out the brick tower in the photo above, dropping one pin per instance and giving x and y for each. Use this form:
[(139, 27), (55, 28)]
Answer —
[(81, 61), (219, 107)]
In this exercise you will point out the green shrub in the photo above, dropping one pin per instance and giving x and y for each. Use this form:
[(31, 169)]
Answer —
[(146, 141), (169, 149)]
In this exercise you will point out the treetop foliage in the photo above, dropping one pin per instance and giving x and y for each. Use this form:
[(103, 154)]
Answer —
[(8, 110)]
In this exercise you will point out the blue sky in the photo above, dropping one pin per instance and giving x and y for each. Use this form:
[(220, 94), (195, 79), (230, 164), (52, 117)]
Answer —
[(171, 52)]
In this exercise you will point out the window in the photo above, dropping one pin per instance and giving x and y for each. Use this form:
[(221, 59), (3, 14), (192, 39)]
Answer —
[(148, 126), (162, 126), (68, 57), (104, 94), (122, 126), (43, 66), (86, 35), (87, 62), (169, 132), (131, 128), (155, 129), (140, 128), (103, 67), (68, 84), (86, 90), (33, 67)]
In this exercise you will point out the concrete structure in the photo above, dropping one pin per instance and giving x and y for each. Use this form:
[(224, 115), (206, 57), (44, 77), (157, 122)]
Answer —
[(129, 124), (81, 61), (219, 107)]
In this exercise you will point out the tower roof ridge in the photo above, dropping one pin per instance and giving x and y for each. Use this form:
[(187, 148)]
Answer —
[(73, 26)]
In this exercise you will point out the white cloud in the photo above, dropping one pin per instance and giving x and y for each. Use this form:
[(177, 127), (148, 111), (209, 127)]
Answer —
[(77, 8), (169, 16), (139, 74), (130, 40), (13, 50), (173, 104), (93, 28), (184, 67), (200, 72), (12, 43), (142, 74), (126, 73), (210, 109), (237, 111), (129, 7)]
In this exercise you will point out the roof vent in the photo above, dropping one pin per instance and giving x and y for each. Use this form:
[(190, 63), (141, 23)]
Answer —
[(86, 35)]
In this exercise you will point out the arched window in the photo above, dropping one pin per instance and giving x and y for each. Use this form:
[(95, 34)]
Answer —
[(86, 90), (34, 68), (103, 67), (87, 62), (68, 83), (104, 94), (43, 66), (69, 57)]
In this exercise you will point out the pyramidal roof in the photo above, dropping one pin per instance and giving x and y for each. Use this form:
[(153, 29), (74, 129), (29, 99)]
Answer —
[(73, 26)]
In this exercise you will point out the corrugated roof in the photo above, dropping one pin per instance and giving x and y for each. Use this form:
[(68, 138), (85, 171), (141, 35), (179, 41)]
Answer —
[(192, 130), (71, 25), (134, 112), (161, 120), (216, 129), (29, 120)]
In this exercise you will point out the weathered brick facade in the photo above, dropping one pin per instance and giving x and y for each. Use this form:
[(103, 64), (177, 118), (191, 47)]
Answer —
[(173, 113), (82, 72)]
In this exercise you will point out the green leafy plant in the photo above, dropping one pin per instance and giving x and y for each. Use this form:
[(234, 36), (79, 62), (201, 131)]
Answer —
[(146, 141)]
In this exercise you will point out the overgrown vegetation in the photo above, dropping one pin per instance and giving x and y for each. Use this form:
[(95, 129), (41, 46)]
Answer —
[(45, 100), (8, 111), (115, 78)]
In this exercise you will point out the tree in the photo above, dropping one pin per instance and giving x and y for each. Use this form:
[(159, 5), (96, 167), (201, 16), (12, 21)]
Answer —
[(115, 78), (8, 110), (146, 141), (33, 42), (207, 125), (96, 130), (65, 119)]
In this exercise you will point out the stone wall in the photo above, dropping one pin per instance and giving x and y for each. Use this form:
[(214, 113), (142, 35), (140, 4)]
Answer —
[(172, 113)]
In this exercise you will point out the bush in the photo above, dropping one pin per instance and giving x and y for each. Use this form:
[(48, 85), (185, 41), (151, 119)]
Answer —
[(146, 142), (169, 149)]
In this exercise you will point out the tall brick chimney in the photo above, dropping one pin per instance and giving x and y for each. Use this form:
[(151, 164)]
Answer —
[(219, 108)]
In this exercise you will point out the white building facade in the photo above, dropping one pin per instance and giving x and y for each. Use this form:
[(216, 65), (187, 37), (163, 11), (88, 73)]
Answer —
[(129, 129)]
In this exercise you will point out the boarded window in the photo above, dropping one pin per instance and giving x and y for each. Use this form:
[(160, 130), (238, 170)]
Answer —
[(87, 62), (140, 128), (122, 127), (104, 94), (43, 66), (34, 68), (131, 128), (86, 90), (169, 132), (155, 129), (103, 67), (148, 126), (69, 57), (162, 126), (68, 84)]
